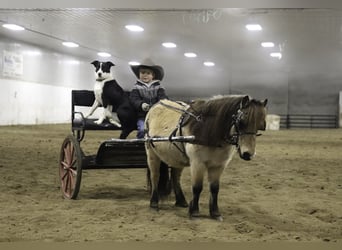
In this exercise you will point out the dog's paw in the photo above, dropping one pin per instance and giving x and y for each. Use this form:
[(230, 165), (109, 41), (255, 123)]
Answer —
[(99, 121), (112, 121)]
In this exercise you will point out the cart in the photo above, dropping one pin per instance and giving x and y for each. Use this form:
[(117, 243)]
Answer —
[(112, 153)]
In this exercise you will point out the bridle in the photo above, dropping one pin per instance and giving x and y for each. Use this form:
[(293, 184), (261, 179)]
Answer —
[(233, 139)]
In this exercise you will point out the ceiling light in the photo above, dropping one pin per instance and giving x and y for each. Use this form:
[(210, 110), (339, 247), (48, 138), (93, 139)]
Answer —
[(134, 63), (134, 28), (70, 44), (209, 64), (33, 52), (70, 62), (104, 54), (13, 27), (169, 45), (190, 54), (253, 27), (276, 54), (267, 44)]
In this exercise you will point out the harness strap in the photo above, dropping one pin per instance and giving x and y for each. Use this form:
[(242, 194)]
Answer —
[(180, 125), (174, 132), (184, 111)]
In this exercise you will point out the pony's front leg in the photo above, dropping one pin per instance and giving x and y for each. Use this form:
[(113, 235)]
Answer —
[(197, 172), (213, 207), (214, 185)]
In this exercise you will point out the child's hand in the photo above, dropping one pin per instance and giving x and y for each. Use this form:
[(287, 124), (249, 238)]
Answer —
[(145, 106)]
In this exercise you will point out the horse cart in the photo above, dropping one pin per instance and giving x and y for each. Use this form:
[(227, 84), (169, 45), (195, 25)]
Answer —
[(112, 153)]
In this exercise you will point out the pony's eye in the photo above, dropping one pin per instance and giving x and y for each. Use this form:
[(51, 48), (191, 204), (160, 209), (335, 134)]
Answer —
[(242, 123)]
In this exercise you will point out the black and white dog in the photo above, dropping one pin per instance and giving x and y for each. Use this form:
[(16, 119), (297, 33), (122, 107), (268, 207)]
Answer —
[(113, 98)]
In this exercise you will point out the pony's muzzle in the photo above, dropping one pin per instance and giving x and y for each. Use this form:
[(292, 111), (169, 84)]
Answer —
[(246, 156)]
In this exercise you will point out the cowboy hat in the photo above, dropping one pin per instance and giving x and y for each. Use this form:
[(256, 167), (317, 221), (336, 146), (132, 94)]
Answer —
[(147, 63)]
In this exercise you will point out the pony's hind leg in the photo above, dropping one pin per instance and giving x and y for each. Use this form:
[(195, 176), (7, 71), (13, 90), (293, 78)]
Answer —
[(164, 184), (153, 163), (180, 198)]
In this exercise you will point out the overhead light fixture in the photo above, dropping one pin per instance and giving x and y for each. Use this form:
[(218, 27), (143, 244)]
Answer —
[(190, 54), (33, 52), (276, 54), (254, 27), (134, 28), (134, 63), (267, 44), (13, 27), (70, 44), (104, 54), (209, 64), (169, 45), (70, 62)]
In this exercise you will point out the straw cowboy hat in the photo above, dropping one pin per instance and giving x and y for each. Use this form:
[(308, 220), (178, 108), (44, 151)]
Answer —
[(147, 63)]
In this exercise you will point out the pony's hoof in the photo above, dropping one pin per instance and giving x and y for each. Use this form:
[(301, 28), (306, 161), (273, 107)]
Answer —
[(181, 204), (218, 218), (154, 209), (194, 215), (154, 206)]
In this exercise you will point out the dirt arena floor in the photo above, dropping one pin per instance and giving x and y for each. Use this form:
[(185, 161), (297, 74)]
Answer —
[(291, 191)]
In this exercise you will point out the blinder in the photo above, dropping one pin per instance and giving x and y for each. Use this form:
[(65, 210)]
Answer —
[(236, 121)]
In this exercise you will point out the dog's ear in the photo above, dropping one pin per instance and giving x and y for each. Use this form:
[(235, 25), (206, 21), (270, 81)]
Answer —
[(110, 63), (95, 63)]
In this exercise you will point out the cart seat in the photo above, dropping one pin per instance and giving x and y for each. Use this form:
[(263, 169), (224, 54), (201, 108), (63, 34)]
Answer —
[(81, 101), (86, 98)]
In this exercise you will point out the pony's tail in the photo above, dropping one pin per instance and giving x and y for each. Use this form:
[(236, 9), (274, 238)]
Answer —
[(164, 185)]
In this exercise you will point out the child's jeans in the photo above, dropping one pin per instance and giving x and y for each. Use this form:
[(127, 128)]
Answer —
[(140, 127)]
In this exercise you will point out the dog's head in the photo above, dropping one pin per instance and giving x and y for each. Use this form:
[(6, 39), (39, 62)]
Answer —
[(102, 70)]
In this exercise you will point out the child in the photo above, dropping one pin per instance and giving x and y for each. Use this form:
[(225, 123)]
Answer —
[(146, 91)]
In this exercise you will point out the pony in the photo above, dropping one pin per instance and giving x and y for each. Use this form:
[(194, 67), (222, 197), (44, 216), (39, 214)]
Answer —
[(221, 126)]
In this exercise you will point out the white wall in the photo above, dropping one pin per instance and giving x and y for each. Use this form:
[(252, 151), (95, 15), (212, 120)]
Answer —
[(37, 89), (33, 103)]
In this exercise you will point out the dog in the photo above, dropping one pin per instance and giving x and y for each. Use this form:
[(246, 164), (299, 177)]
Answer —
[(110, 95)]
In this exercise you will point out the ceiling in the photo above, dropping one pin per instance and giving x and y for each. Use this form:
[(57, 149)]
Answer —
[(307, 38)]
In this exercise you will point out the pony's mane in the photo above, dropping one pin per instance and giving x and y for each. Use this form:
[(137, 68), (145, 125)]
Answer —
[(216, 116)]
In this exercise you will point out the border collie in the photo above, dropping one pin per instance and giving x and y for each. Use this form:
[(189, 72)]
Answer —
[(113, 98), (106, 91)]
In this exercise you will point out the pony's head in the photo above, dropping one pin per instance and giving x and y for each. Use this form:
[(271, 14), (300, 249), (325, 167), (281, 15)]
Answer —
[(229, 119), (248, 119)]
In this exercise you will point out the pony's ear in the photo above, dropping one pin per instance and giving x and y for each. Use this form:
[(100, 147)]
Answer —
[(244, 102), (95, 63), (264, 102), (197, 104)]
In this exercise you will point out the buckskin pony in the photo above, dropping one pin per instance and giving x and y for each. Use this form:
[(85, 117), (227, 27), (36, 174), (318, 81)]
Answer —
[(221, 126)]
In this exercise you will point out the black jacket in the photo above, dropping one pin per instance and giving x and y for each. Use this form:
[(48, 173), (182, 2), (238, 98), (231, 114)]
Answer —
[(143, 93)]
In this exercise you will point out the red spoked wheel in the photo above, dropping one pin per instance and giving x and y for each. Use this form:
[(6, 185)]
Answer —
[(70, 167)]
